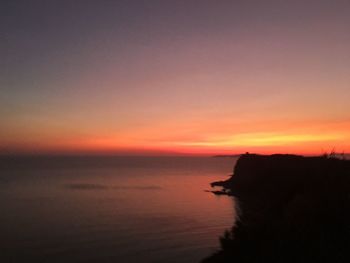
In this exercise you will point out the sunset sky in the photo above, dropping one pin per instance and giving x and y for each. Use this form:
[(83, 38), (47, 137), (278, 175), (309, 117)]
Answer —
[(165, 77)]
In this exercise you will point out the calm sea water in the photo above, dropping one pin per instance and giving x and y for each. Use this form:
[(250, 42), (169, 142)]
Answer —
[(112, 209)]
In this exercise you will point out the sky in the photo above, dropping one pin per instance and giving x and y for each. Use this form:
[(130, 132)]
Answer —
[(174, 77)]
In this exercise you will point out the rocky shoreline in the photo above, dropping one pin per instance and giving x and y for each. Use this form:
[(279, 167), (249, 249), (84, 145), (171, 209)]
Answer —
[(293, 209)]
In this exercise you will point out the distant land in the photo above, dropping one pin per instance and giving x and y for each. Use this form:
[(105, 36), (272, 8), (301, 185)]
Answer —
[(335, 155), (226, 155)]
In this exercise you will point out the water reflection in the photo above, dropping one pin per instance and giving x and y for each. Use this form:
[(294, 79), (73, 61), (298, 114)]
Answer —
[(153, 212), (87, 186)]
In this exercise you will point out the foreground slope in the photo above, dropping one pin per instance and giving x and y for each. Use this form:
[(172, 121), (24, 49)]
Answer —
[(293, 209)]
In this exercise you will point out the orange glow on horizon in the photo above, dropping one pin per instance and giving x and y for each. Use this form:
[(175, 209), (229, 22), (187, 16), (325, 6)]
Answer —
[(188, 138)]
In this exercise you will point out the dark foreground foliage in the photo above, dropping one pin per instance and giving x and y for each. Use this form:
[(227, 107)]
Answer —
[(293, 209)]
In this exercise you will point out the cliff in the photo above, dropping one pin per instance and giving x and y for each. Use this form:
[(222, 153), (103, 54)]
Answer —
[(293, 209)]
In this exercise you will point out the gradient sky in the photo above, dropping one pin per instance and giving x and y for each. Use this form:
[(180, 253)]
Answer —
[(174, 76)]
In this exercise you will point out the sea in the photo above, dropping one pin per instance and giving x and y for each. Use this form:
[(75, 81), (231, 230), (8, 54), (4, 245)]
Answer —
[(112, 208)]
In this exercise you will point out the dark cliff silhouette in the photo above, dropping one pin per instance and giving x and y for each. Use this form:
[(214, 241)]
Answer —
[(293, 209)]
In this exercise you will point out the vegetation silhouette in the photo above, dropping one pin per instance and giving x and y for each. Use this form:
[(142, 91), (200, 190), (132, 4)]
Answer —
[(293, 209)]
